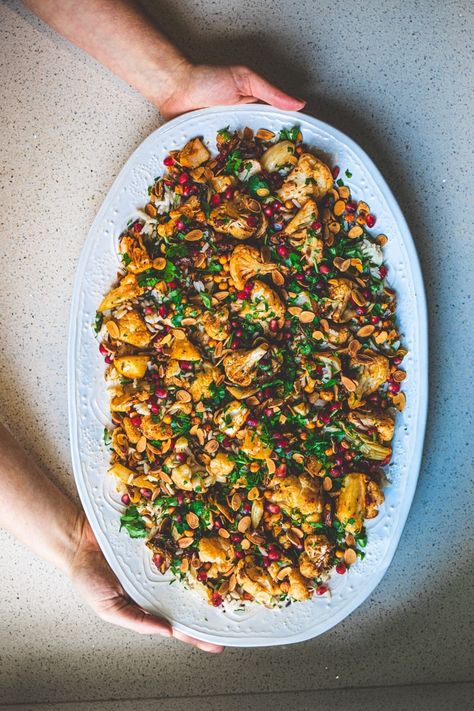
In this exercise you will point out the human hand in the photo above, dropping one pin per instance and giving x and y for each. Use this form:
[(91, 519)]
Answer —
[(199, 86), (100, 589)]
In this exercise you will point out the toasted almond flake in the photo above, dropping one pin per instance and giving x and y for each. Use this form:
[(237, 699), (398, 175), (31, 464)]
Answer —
[(220, 295), (165, 477), (141, 444), (223, 588), (264, 134), (284, 572), (266, 253), (339, 207), (193, 235), (245, 544), (159, 263), (185, 541), (236, 502), (297, 457), (270, 466), (223, 533), (350, 556), (306, 316), (262, 192), (192, 520), (354, 347), (113, 329), (366, 331), (334, 227), (232, 582), (381, 240), (295, 310), (342, 264), (188, 321), (297, 531), (355, 231), (150, 209), (317, 335), (349, 384), (362, 206), (327, 483), (184, 565), (253, 494), (399, 376), (211, 446), (278, 278), (243, 524), (357, 298), (293, 538), (183, 396), (344, 192), (399, 401), (196, 563), (256, 513), (380, 337)]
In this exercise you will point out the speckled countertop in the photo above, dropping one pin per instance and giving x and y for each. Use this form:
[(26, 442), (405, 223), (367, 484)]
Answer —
[(393, 75)]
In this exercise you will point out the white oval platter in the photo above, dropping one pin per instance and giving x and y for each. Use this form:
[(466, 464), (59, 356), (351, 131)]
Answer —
[(88, 402)]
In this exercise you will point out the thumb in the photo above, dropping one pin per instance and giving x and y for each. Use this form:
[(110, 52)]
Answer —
[(260, 88), (129, 615)]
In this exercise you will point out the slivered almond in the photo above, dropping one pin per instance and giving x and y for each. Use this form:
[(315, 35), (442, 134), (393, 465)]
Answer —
[(232, 582), (399, 376), (270, 466), (264, 134), (223, 533), (317, 335), (141, 444), (184, 565), (295, 310), (243, 524), (366, 331), (192, 520), (113, 329), (223, 588), (349, 384), (339, 207), (355, 231), (159, 263), (193, 235), (350, 556), (236, 502), (278, 278), (334, 227), (245, 544), (188, 321), (344, 192), (185, 542), (183, 396), (327, 483), (306, 316), (220, 295)]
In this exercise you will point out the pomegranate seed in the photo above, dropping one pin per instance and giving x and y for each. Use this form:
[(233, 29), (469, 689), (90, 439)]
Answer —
[(396, 360), (246, 508), (227, 442), (366, 293), (216, 599), (108, 359), (137, 227), (324, 269), (280, 471), (316, 226), (374, 319), (394, 387), (242, 295), (236, 537), (268, 412), (274, 555), (266, 561), (324, 419), (273, 325), (383, 271), (183, 179), (321, 590), (202, 576), (360, 311), (252, 422), (228, 194), (103, 350), (299, 276), (276, 205), (341, 568), (187, 190), (163, 311), (161, 392), (169, 160), (273, 508), (248, 288), (136, 420), (239, 554), (125, 499), (239, 333), (173, 284), (215, 199), (335, 472), (154, 408), (267, 210), (157, 559), (252, 221), (335, 171), (146, 493), (282, 251), (334, 406), (180, 457), (339, 460), (370, 220), (217, 523), (351, 207), (178, 518), (235, 344), (180, 498), (180, 226)]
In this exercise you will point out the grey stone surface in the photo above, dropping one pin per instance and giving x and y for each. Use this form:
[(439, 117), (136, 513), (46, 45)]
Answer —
[(395, 76)]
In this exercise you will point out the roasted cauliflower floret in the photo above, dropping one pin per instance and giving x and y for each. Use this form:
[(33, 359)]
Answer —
[(373, 369), (312, 249), (134, 254), (131, 366), (189, 477), (299, 496), (232, 217), (239, 365), (155, 430), (194, 154), (298, 586), (340, 291), (245, 263), (200, 386), (128, 289), (133, 330), (256, 581), (278, 155), (317, 556), (232, 418), (216, 323), (366, 420), (221, 466), (214, 549), (337, 334), (310, 178), (184, 349), (264, 306), (253, 446), (359, 499), (303, 218)]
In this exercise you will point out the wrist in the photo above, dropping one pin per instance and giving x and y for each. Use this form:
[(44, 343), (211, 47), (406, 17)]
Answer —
[(167, 81)]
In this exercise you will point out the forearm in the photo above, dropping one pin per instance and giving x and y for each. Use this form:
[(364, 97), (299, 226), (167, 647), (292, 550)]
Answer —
[(33, 509), (120, 36)]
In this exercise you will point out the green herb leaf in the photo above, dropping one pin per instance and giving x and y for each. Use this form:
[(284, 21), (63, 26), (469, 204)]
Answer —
[(289, 134), (206, 299), (99, 319), (133, 523)]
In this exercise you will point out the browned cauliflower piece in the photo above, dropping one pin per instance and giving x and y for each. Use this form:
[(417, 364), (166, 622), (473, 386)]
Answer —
[(358, 500), (382, 422), (298, 585), (264, 306), (232, 217), (256, 581), (221, 466), (245, 263), (317, 556), (138, 257), (340, 291), (133, 330), (184, 349), (214, 549), (194, 154), (155, 430), (298, 495), (278, 155), (253, 445), (239, 365), (373, 369), (131, 366), (202, 381), (310, 178), (232, 418), (303, 218), (216, 323), (127, 290)]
